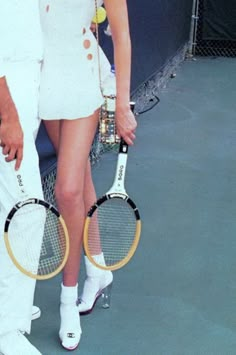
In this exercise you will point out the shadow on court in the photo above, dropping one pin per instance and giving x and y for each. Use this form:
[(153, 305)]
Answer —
[(178, 294)]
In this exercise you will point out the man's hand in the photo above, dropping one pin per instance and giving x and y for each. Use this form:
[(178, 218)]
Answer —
[(11, 138), (11, 134)]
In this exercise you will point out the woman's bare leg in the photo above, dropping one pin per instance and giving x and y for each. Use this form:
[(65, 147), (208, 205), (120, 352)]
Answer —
[(53, 131), (72, 141), (74, 146), (96, 279)]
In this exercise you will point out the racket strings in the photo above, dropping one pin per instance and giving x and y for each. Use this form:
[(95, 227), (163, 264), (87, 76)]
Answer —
[(112, 230), (53, 245), (36, 239)]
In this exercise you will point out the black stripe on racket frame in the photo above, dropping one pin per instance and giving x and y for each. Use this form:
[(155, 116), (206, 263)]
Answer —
[(104, 198), (30, 201)]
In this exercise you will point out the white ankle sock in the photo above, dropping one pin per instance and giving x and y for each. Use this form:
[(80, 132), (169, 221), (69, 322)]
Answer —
[(70, 321), (99, 259)]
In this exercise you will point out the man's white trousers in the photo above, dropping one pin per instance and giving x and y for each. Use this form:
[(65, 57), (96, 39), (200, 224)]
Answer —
[(16, 289)]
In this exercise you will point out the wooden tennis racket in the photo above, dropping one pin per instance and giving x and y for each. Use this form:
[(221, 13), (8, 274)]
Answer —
[(113, 224), (35, 235)]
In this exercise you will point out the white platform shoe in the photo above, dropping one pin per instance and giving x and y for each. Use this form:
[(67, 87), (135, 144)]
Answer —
[(98, 283), (70, 330)]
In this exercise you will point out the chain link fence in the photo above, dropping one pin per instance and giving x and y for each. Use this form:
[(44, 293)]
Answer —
[(203, 47)]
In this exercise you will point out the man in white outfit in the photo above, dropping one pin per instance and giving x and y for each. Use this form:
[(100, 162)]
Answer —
[(20, 61)]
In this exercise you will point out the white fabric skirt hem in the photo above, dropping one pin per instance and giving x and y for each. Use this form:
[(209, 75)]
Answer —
[(82, 111)]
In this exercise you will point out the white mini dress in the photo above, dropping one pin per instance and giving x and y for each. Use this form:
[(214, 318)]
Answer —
[(70, 87)]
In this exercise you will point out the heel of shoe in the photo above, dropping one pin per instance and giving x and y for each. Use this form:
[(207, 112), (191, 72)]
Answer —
[(106, 296)]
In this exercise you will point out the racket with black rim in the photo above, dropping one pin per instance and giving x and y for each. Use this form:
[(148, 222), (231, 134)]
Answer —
[(35, 235), (113, 224)]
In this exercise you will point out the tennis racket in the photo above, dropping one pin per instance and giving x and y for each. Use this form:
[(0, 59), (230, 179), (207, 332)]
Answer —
[(35, 235), (113, 224)]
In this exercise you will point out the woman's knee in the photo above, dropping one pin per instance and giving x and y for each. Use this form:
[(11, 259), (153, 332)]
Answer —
[(69, 194)]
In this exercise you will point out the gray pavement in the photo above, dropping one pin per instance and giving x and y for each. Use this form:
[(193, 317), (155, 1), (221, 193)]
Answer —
[(178, 294)]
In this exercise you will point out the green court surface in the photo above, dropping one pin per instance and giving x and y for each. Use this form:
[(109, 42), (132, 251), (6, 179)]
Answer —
[(178, 294)]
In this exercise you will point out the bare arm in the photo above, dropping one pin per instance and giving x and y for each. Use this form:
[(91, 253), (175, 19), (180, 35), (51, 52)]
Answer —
[(11, 135), (118, 19)]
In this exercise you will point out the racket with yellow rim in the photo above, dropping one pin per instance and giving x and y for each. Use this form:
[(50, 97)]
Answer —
[(113, 224), (36, 236)]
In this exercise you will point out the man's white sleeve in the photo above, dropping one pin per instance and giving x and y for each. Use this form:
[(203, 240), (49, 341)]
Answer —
[(4, 28)]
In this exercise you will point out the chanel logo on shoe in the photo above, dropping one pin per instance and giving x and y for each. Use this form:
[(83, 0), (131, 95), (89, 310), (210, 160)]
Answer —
[(71, 335)]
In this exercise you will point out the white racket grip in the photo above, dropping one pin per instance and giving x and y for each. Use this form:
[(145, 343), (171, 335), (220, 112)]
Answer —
[(119, 180)]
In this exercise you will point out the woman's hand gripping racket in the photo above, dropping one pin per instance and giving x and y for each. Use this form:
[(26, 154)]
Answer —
[(113, 224), (35, 235)]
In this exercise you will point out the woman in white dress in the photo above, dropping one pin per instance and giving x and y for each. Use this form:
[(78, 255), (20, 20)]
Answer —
[(69, 104)]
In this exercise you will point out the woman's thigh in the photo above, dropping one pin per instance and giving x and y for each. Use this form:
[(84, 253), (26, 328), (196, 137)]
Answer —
[(76, 137)]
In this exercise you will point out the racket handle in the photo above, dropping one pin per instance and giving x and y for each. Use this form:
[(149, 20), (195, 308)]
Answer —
[(106, 296)]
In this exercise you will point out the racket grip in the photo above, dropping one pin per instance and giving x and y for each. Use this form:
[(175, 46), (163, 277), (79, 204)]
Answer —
[(106, 296)]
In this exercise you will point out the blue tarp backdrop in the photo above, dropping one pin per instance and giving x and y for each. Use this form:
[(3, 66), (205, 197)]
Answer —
[(158, 29)]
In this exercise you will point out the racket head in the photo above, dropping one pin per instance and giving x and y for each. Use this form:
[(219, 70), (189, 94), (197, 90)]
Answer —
[(113, 227), (36, 239)]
